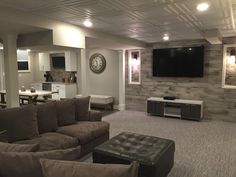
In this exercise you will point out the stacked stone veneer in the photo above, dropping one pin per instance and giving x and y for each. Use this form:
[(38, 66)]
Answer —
[(59, 74), (219, 103)]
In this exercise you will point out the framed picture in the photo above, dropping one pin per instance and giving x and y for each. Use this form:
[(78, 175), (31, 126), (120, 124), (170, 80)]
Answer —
[(134, 62)]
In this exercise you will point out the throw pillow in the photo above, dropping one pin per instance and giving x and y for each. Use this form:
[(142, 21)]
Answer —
[(47, 117), (20, 123), (9, 147), (82, 108), (52, 168), (65, 112), (26, 164)]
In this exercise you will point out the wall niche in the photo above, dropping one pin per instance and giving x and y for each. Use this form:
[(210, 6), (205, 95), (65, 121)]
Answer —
[(229, 67)]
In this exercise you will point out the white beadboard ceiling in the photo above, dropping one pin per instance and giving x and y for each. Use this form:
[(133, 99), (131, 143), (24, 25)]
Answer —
[(145, 20)]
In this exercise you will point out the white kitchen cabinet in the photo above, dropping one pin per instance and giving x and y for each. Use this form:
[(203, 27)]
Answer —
[(64, 90), (44, 62), (71, 61), (37, 86)]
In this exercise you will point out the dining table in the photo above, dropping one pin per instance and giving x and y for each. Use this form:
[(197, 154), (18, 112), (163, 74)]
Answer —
[(28, 95)]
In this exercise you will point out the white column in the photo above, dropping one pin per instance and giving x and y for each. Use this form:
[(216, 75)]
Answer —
[(121, 80), (2, 73), (82, 73), (11, 71)]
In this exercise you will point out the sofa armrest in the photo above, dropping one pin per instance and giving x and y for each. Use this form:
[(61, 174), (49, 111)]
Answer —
[(95, 115), (3, 136)]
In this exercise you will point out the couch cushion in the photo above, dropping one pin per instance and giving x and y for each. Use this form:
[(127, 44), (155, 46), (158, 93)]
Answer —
[(47, 117), (57, 168), (85, 131), (20, 123), (82, 108), (65, 112), (52, 141), (26, 164), (10, 147)]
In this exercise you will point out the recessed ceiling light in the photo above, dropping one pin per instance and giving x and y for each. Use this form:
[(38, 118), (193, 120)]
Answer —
[(166, 37), (202, 6), (88, 23), (28, 50)]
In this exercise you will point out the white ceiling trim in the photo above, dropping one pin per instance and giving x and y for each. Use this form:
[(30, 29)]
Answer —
[(231, 13)]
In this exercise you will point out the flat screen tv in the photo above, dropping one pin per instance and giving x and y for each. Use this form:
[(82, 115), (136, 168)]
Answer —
[(23, 65), (58, 62), (178, 62)]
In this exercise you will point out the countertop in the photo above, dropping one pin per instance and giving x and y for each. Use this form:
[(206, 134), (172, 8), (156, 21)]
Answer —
[(62, 83)]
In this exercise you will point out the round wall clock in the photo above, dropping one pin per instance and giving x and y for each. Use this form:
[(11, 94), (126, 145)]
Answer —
[(97, 63)]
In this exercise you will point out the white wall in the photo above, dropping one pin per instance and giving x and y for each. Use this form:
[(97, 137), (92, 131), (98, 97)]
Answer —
[(27, 78), (107, 82), (38, 75)]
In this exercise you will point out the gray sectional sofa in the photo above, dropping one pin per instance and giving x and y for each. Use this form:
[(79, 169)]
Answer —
[(56, 125)]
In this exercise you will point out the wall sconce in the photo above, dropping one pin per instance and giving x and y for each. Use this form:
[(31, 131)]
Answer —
[(232, 56)]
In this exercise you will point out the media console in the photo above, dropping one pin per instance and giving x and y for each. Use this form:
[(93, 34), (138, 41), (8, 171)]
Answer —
[(183, 109)]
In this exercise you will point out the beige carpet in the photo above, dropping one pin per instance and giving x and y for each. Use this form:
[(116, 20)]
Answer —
[(203, 149)]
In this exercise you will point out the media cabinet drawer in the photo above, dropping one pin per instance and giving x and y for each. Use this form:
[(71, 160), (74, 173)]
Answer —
[(190, 111), (155, 108)]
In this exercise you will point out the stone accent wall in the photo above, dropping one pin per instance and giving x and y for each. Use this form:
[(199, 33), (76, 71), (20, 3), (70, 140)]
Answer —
[(59, 74), (218, 103)]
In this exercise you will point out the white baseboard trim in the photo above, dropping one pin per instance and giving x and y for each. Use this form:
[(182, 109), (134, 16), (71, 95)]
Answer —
[(120, 107)]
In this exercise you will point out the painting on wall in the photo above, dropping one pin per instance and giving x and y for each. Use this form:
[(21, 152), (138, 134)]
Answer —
[(134, 67)]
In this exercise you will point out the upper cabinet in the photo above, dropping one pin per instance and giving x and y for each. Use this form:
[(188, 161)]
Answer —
[(70, 61), (44, 62), (69, 57)]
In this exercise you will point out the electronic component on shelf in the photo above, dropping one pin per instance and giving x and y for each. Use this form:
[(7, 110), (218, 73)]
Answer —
[(169, 97)]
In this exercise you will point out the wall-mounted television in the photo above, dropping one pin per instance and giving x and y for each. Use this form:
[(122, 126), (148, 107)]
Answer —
[(178, 62), (23, 65), (58, 62)]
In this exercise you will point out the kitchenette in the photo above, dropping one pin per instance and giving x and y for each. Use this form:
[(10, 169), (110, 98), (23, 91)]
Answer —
[(60, 74), (59, 89)]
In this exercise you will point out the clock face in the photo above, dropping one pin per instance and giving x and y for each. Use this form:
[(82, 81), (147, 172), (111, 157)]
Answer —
[(97, 63)]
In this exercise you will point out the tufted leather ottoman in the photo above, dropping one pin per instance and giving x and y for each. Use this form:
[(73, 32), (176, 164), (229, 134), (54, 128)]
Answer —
[(156, 155)]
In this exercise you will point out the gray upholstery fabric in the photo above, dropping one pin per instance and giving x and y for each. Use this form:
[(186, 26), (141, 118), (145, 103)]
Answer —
[(3, 136), (52, 141), (26, 164), (95, 115), (10, 147), (85, 131), (82, 108), (20, 123), (65, 112), (47, 117), (56, 168)]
